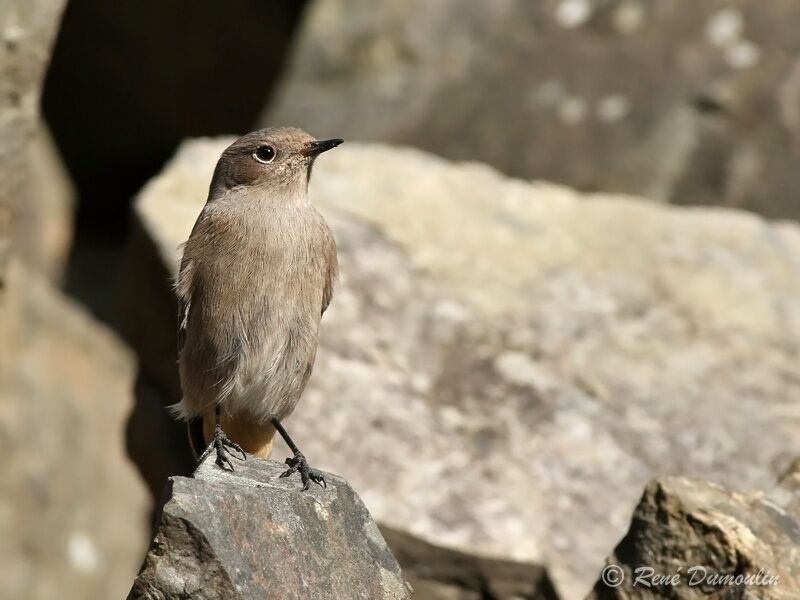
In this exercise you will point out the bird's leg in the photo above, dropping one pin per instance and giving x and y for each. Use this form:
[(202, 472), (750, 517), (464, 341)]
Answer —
[(298, 462), (221, 442)]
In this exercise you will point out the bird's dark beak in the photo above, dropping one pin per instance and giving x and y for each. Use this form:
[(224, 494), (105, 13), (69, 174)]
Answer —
[(319, 146)]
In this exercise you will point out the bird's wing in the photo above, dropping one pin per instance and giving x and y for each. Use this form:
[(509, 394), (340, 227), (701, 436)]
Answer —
[(184, 284), (332, 271), (183, 287)]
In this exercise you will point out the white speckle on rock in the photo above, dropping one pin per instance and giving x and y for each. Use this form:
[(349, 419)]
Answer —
[(575, 427), (573, 13), (520, 369), (628, 17), (82, 552), (452, 417), (572, 110), (321, 511), (13, 33), (725, 27), (724, 30), (743, 54), (451, 311), (549, 93), (613, 108), (421, 383), (560, 542)]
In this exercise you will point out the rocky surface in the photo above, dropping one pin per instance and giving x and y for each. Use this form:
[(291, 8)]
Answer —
[(708, 542), (506, 364), (250, 534), (73, 511), (438, 573), (683, 101), (35, 199)]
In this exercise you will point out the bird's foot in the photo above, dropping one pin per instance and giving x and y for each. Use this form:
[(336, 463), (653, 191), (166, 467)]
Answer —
[(299, 464), (221, 443)]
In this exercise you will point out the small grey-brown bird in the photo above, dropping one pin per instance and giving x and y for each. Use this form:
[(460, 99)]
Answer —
[(257, 274)]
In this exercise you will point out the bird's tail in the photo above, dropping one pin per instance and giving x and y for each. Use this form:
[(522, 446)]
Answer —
[(197, 441), (178, 411), (194, 427)]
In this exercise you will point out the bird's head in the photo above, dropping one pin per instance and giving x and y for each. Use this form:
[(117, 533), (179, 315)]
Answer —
[(274, 159)]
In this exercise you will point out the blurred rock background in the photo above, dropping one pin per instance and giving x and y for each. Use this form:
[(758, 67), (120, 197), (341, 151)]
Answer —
[(507, 362), (678, 101)]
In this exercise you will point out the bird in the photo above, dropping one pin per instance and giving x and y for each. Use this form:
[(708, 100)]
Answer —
[(256, 275)]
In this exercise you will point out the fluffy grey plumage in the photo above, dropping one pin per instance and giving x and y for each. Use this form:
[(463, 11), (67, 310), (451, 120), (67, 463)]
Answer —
[(257, 273)]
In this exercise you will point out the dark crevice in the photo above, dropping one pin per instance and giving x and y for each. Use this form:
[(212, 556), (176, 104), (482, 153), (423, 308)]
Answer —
[(128, 82)]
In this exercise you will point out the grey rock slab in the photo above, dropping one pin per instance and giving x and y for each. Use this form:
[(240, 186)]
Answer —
[(251, 534)]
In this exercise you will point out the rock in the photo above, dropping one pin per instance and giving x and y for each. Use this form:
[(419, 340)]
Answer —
[(706, 542), (35, 196), (72, 510), (48, 234), (506, 364), (681, 101), (250, 534), (438, 573)]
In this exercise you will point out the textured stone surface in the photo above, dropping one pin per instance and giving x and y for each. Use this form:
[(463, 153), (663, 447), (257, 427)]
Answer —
[(690, 102), (505, 365), (438, 573), (34, 198), (707, 536), (73, 511), (250, 534)]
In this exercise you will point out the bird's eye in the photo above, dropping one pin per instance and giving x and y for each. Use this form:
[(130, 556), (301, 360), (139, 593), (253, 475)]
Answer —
[(264, 154)]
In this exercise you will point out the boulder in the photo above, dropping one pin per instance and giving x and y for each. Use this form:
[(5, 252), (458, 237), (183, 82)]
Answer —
[(438, 573), (73, 512), (694, 540), (35, 194), (505, 364), (682, 101), (250, 534)]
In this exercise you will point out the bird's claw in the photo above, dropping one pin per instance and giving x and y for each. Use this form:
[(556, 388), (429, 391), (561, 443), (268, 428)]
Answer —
[(299, 464), (221, 443)]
